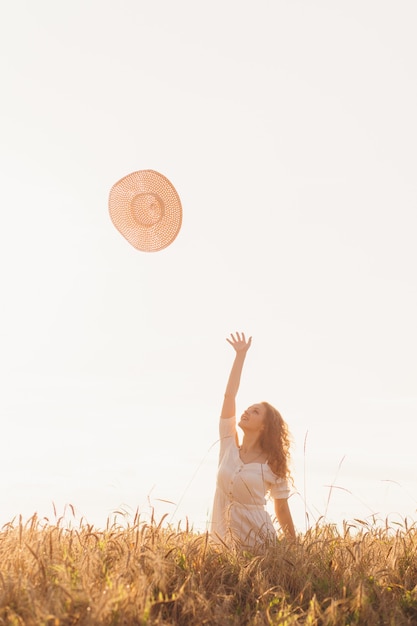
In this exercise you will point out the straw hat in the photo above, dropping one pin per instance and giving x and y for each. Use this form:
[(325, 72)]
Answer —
[(146, 210)]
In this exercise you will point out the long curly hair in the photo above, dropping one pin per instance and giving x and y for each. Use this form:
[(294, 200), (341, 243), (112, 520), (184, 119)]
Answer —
[(275, 440)]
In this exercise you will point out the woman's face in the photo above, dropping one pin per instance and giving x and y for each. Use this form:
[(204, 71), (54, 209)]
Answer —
[(252, 420)]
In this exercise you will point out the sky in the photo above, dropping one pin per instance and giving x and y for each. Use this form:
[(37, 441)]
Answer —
[(288, 129)]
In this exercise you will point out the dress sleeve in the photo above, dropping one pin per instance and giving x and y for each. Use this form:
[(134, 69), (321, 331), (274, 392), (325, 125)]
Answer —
[(227, 432), (280, 490)]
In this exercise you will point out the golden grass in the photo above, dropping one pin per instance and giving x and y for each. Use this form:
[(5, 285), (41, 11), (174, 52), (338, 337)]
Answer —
[(148, 573)]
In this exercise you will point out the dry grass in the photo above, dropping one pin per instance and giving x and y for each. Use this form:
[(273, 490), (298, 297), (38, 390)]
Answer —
[(148, 573)]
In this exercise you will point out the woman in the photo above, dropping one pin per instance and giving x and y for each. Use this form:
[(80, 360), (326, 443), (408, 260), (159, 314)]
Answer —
[(250, 473)]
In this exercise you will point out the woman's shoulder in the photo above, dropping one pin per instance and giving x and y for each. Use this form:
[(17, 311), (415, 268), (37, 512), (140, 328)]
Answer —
[(274, 478)]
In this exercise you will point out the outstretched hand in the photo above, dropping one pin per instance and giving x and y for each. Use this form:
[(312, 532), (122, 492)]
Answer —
[(239, 342), (241, 346)]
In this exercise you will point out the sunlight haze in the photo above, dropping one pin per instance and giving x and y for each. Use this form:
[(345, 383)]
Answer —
[(289, 131)]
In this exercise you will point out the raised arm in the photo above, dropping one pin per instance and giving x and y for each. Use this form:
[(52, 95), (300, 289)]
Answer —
[(241, 346)]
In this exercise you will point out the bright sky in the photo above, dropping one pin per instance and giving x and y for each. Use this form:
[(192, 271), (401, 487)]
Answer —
[(289, 130)]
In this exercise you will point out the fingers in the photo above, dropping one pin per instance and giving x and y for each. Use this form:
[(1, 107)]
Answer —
[(239, 338)]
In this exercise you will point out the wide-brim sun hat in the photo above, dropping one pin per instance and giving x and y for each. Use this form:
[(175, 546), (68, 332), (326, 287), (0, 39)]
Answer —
[(145, 208)]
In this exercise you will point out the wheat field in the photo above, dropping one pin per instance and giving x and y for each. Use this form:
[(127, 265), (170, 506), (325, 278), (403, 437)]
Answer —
[(52, 574)]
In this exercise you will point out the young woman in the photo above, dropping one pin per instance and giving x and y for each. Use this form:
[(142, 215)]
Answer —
[(250, 473)]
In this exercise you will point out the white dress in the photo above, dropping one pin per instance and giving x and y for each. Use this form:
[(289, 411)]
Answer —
[(239, 514)]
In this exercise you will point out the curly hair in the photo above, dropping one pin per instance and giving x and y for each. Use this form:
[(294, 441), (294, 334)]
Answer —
[(275, 440)]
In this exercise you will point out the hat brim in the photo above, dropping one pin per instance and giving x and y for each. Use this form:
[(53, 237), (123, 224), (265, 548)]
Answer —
[(145, 208)]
